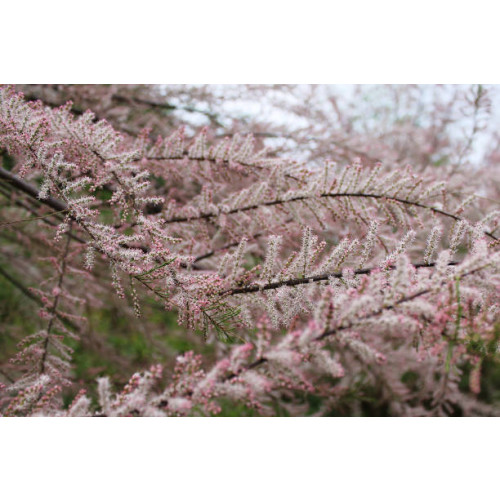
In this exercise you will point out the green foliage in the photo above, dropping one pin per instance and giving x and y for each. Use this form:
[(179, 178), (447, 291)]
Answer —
[(221, 317), (232, 409)]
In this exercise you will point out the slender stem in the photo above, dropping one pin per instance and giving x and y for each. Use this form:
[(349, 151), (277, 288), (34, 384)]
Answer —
[(329, 333), (324, 195), (185, 156), (314, 278), (20, 286), (30, 219), (31, 190), (53, 309), (34, 297)]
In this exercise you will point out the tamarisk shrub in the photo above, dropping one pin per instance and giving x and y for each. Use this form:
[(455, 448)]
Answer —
[(363, 268)]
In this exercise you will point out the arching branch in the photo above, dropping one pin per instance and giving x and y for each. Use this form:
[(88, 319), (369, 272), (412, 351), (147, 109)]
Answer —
[(324, 195)]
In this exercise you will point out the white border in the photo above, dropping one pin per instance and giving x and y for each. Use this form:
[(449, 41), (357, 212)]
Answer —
[(263, 41), (257, 42), (249, 458)]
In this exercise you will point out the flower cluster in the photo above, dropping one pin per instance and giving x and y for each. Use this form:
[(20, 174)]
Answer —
[(304, 280)]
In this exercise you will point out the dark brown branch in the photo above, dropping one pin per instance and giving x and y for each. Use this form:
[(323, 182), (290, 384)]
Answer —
[(59, 205), (20, 286), (166, 106), (324, 195), (31, 190), (334, 331), (53, 309), (315, 278), (185, 156), (225, 247), (26, 291), (337, 143), (30, 219)]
